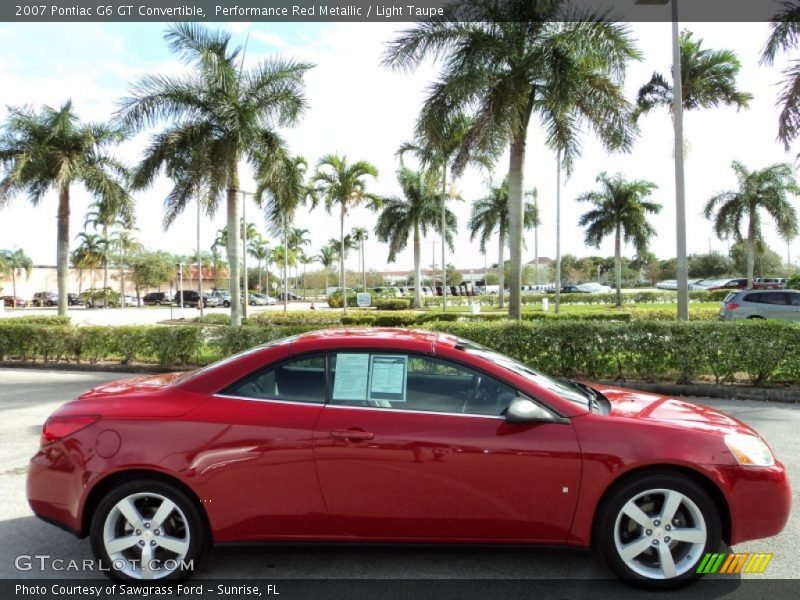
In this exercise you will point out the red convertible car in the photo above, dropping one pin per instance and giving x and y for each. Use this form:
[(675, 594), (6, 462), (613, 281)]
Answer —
[(399, 436)]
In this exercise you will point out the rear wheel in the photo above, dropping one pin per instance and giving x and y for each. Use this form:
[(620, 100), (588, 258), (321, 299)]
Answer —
[(655, 530), (148, 530)]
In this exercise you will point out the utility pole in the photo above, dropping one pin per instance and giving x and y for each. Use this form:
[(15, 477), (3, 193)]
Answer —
[(244, 253)]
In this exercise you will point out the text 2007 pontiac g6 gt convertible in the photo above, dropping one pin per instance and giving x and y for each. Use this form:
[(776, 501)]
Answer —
[(399, 436)]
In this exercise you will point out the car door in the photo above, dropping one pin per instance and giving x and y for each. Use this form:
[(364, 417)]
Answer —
[(412, 447), (259, 457)]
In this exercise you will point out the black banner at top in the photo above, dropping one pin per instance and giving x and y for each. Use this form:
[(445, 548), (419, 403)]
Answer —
[(382, 11)]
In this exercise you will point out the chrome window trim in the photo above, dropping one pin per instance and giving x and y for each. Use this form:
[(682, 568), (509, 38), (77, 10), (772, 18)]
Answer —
[(391, 409), (270, 400)]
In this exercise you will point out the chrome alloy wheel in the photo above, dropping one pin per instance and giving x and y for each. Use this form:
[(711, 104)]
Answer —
[(146, 536), (660, 534)]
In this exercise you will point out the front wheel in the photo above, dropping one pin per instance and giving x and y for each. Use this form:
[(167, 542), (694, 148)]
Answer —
[(654, 531), (148, 530)]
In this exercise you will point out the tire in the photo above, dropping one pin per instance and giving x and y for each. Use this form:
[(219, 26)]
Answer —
[(695, 517), (183, 529), (226, 304)]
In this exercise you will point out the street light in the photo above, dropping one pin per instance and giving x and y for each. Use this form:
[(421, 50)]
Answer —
[(680, 198)]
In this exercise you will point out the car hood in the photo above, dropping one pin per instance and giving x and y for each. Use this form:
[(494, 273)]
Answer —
[(642, 405)]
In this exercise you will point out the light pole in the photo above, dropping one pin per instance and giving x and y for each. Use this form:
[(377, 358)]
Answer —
[(680, 197)]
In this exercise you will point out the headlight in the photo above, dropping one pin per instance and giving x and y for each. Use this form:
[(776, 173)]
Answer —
[(749, 450)]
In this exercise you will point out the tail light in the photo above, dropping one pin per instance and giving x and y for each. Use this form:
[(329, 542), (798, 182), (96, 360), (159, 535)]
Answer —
[(731, 306), (57, 428)]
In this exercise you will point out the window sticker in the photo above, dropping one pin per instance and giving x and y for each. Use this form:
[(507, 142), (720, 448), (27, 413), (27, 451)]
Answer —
[(352, 374), (387, 378)]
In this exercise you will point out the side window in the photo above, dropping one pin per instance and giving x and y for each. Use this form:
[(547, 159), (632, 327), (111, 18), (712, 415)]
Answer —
[(299, 379), (794, 299), (754, 298), (773, 298), (415, 382)]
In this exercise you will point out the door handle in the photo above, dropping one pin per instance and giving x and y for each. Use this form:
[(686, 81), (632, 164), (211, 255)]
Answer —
[(351, 435)]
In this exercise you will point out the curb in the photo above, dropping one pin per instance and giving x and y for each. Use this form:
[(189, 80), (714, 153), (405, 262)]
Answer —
[(84, 367), (711, 390)]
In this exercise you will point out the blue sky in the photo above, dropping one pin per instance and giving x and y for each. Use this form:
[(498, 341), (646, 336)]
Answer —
[(360, 109)]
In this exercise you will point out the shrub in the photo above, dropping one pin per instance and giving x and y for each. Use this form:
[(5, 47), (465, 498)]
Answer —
[(793, 283), (392, 303), (718, 295), (335, 299), (38, 320)]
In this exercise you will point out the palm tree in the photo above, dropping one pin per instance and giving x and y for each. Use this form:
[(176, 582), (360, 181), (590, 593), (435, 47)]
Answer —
[(283, 183), (126, 244), (620, 208), (709, 80), (784, 36), (438, 141), (765, 189), (88, 254), (510, 61), (327, 258), (223, 111), (258, 249), (490, 214), (361, 235), (15, 262), (103, 216), (338, 183), (298, 238), (53, 149), (411, 216), (217, 261), (306, 260)]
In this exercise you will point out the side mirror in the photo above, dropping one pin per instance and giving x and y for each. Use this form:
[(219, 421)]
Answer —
[(525, 410)]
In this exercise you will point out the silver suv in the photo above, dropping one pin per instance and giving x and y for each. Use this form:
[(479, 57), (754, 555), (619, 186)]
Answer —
[(761, 304)]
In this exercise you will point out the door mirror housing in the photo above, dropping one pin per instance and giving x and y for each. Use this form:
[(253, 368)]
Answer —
[(525, 410)]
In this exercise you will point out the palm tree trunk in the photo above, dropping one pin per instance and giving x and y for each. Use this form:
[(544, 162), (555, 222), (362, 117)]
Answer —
[(234, 248), (444, 236), (14, 287), (122, 274), (341, 263), (501, 275), (80, 281), (62, 243), (751, 250), (618, 264), (285, 265), (363, 267), (105, 266), (515, 208), (199, 261), (417, 267), (558, 232), (536, 243)]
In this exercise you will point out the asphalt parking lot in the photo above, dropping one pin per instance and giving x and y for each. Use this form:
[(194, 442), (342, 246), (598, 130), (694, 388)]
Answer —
[(28, 396)]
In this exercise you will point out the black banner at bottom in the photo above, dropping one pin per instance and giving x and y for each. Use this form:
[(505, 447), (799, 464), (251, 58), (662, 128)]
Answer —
[(389, 589)]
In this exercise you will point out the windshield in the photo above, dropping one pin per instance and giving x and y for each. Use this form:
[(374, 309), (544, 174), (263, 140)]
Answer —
[(562, 388)]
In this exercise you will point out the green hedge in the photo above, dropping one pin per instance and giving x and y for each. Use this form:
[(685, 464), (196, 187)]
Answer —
[(759, 351), (38, 320), (392, 303)]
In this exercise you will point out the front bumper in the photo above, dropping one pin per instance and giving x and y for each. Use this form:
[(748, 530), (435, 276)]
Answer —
[(759, 499)]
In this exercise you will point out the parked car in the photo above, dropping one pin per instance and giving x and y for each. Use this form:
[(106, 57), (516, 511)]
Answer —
[(74, 299), (739, 283), (291, 296), (156, 298), (264, 298), (45, 299), (573, 289), (191, 298), (223, 298), (761, 304), (670, 284), (769, 283), (595, 288), (489, 450), (14, 301)]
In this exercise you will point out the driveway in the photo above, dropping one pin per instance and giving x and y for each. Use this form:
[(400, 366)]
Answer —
[(28, 396)]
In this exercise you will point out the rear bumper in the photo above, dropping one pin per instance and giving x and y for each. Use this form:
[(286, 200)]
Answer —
[(55, 488), (759, 500)]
